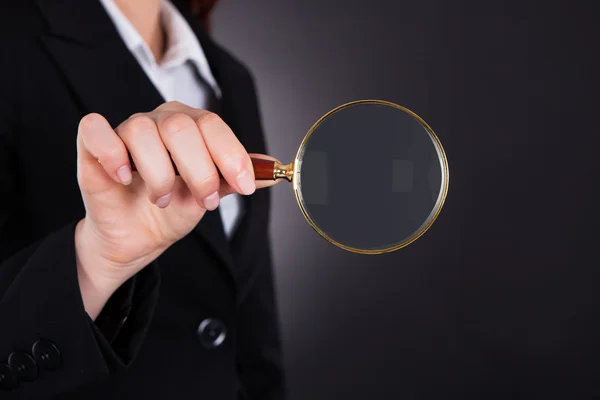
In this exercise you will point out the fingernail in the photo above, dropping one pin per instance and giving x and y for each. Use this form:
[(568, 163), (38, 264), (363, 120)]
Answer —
[(246, 183), (124, 174), (164, 201), (211, 202)]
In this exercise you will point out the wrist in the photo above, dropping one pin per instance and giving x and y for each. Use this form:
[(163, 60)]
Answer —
[(96, 284)]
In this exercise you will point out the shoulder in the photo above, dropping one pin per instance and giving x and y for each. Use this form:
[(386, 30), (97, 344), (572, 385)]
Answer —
[(21, 25), (236, 63), (20, 18), (238, 70), (222, 58)]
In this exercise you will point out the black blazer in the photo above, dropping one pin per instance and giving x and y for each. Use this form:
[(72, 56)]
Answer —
[(201, 321)]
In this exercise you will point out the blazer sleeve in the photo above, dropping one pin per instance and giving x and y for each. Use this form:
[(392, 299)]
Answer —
[(48, 343)]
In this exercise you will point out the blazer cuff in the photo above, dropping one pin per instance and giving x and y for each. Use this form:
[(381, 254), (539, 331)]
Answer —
[(116, 311), (122, 325), (45, 325)]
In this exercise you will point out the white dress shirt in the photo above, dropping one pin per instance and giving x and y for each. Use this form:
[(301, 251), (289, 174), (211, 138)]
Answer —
[(182, 75)]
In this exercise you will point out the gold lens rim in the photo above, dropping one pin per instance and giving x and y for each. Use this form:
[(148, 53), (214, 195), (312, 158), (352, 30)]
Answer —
[(428, 222)]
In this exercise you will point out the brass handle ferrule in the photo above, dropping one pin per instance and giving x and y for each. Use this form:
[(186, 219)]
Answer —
[(283, 171)]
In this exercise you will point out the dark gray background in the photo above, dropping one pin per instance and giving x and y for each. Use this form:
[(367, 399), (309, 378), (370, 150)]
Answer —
[(499, 298)]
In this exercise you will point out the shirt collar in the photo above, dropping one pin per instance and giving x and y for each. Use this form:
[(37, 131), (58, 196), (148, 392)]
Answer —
[(182, 44)]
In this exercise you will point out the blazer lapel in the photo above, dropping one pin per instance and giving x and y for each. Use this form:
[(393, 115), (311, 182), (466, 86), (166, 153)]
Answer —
[(105, 77), (95, 61)]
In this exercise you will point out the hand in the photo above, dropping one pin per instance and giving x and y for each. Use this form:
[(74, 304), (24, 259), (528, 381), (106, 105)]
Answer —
[(132, 217)]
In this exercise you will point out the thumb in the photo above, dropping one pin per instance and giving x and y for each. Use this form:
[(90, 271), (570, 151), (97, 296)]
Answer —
[(102, 158)]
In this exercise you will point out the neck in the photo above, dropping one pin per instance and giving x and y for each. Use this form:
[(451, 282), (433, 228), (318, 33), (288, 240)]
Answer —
[(144, 15)]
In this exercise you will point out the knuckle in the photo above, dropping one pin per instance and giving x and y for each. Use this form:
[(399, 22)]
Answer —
[(207, 120), (169, 105), (207, 185), (235, 161), (176, 123), (89, 120), (163, 186), (139, 124), (136, 115), (111, 154), (87, 123)]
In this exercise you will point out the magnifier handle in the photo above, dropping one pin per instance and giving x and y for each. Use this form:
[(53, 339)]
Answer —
[(264, 170)]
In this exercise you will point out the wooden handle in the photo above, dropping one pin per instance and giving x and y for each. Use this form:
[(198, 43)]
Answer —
[(263, 169)]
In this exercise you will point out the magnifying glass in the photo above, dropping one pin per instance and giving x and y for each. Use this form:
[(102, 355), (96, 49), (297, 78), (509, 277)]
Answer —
[(370, 176)]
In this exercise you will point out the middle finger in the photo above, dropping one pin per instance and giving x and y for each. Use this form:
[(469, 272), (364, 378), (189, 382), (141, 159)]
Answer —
[(190, 155)]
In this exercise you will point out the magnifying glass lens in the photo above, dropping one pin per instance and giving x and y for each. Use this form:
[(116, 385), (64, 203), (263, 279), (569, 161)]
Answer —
[(370, 177)]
